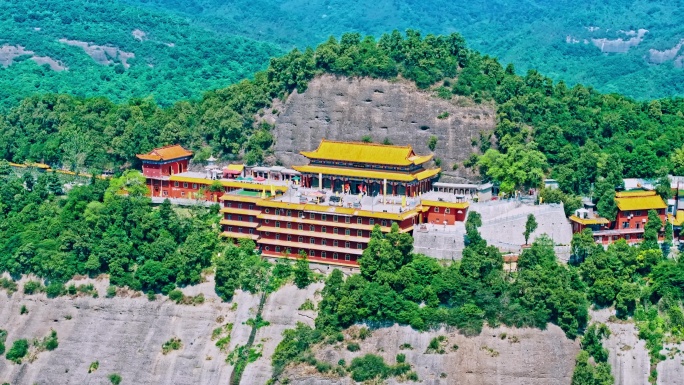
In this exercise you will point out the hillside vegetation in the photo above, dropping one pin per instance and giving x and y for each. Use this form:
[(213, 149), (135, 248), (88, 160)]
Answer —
[(111, 49), (552, 37), (575, 134)]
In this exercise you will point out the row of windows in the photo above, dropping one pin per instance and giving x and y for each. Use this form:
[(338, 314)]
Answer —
[(446, 210), (359, 233), (311, 253), (239, 230), (324, 217), (322, 242), (185, 185), (239, 217), (250, 207)]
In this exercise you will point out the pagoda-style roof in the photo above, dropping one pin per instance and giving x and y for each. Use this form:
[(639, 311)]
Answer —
[(369, 174), (366, 153), (166, 153), (641, 200)]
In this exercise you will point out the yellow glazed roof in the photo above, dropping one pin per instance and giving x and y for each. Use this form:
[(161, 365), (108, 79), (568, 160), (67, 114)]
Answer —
[(654, 202), (589, 221), (366, 153), (236, 167), (354, 173), (165, 153), (676, 220), (635, 193), (454, 205)]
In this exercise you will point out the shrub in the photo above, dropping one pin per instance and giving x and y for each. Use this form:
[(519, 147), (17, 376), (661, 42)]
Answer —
[(33, 287), (364, 333), (432, 143), (151, 296), (54, 289), (3, 338), (50, 342), (405, 346), (111, 291), (323, 367), (353, 347), (368, 367), (93, 366), (307, 305), (8, 285), (18, 351), (23, 310), (342, 362), (71, 289), (172, 344), (176, 295), (401, 358), (114, 378)]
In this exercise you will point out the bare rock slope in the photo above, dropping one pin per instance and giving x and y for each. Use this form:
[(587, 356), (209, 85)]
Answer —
[(341, 108)]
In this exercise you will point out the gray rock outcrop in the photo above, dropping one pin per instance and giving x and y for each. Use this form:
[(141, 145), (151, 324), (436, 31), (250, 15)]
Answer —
[(347, 109)]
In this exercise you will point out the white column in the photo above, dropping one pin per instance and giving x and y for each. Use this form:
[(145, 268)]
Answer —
[(320, 181)]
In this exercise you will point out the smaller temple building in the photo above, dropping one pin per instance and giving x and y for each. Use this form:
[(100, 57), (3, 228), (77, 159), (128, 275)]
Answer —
[(632, 215)]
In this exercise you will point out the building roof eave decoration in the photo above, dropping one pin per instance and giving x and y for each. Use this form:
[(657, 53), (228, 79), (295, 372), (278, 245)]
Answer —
[(589, 221), (166, 153), (366, 174), (366, 153)]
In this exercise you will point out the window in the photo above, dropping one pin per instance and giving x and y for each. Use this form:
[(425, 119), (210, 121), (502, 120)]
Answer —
[(322, 254), (436, 209), (324, 242), (384, 223), (289, 225), (359, 220), (625, 225), (194, 186), (277, 236), (251, 206), (336, 230), (359, 245), (228, 217), (637, 213), (637, 225), (165, 193), (312, 253), (347, 257), (324, 217), (312, 240), (359, 233), (300, 239), (289, 213), (336, 218), (347, 245), (239, 205), (347, 219), (239, 218), (230, 228), (267, 248), (627, 237), (277, 224), (300, 227), (447, 211), (300, 214), (266, 221), (347, 232), (312, 216), (312, 228), (323, 229), (251, 231), (289, 238), (371, 221), (182, 193), (277, 249), (335, 243), (185, 184), (251, 219), (334, 255), (267, 211), (175, 184)]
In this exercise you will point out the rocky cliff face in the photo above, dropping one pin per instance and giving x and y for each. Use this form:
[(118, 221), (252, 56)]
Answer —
[(125, 335), (341, 108)]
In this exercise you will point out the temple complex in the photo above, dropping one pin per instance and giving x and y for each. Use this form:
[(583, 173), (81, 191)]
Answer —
[(326, 209)]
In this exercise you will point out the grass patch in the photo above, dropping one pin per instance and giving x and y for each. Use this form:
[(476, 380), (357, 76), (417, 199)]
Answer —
[(171, 345), (8, 285)]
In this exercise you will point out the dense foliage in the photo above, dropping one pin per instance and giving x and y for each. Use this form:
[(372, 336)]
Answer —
[(173, 59), (396, 285), (92, 230), (554, 37), (577, 135)]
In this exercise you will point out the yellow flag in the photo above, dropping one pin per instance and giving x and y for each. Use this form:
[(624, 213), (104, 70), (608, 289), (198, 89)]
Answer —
[(403, 201), (263, 193), (272, 191)]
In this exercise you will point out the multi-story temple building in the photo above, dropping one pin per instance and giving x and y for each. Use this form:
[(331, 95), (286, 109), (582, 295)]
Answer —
[(326, 209)]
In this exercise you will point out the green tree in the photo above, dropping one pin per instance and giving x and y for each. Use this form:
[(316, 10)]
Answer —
[(522, 166), (606, 206), (530, 227), (131, 183), (651, 230), (228, 268), (302, 274)]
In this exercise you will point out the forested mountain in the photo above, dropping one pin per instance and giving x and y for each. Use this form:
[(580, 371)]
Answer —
[(109, 48), (593, 43)]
